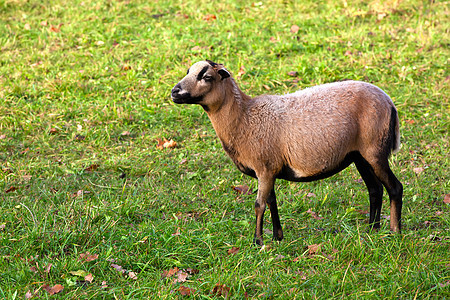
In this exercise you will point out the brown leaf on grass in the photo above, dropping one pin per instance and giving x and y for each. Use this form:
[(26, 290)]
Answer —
[(44, 23), (92, 167), (295, 28), (53, 130), (301, 274), (209, 17), (164, 143), (191, 271), (11, 189), (104, 285), (418, 170), (2, 136), (89, 278), (87, 257), (221, 290), (293, 73), (54, 289), (2, 226), (132, 275), (266, 87), (47, 268), (28, 295), (447, 198), (233, 250), (314, 215), (314, 249), (170, 273), (309, 195), (118, 268), (181, 277), (185, 291), (240, 72), (56, 28), (33, 269), (80, 193), (177, 232), (242, 189)]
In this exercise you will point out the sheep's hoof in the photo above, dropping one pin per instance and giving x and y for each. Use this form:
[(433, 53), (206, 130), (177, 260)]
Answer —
[(277, 238), (258, 241)]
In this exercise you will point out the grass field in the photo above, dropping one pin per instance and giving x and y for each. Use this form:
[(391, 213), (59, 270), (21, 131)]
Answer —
[(92, 208)]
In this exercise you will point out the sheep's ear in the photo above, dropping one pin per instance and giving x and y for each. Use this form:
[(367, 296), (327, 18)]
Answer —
[(223, 73)]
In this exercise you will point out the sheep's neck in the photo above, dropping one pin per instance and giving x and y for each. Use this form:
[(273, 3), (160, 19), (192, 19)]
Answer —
[(230, 117)]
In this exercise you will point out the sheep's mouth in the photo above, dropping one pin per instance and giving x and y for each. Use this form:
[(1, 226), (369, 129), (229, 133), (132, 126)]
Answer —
[(186, 99)]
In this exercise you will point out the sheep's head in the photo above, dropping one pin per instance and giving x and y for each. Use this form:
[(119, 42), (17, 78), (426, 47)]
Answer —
[(200, 85)]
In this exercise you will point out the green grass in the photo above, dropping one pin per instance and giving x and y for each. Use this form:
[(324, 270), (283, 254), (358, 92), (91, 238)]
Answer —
[(85, 94)]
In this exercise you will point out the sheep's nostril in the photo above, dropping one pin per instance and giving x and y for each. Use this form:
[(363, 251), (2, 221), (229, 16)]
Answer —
[(176, 90)]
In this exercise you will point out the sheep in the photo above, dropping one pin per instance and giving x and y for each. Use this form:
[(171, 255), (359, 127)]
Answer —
[(305, 136)]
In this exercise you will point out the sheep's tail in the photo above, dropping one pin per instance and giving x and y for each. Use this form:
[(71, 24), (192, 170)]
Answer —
[(394, 130)]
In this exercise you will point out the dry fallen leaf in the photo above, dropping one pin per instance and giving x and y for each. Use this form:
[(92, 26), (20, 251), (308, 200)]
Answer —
[(28, 295), (313, 249), (54, 289), (55, 28), (191, 271), (242, 189), (177, 232), (233, 250), (241, 72), (53, 130), (87, 257), (185, 291), (181, 277), (447, 198), (171, 272), (295, 28), (47, 269), (10, 189), (164, 143), (221, 290), (92, 167), (314, 215), (89, 278), (210, 17), (293, 73), (418, 170), (118, 268), (132, 275)]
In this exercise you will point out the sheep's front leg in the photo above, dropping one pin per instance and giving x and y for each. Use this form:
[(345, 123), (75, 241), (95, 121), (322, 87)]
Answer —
[(265, 187)]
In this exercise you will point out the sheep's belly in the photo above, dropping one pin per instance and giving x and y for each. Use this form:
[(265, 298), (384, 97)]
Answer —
[(292, 174)]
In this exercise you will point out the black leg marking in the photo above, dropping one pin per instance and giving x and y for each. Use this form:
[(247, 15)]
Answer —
[(374, 187), (277, 230)]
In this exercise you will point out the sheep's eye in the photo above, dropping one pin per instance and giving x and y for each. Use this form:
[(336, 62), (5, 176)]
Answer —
[(207, 78)]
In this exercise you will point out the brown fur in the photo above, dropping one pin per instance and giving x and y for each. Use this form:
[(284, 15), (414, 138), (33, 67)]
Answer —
[(304, 136)]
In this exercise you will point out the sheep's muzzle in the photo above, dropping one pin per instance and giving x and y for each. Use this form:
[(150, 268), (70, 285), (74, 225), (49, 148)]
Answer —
[(179, 96)]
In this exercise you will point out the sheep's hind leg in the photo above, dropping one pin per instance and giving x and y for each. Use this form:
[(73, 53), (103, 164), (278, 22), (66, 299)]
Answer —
[(277, 230), (395, 191), (265, 186), (375, 189)]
